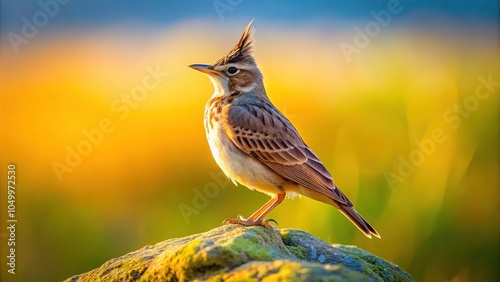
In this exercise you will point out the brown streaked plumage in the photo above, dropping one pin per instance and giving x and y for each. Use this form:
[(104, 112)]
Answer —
[(256, 145)]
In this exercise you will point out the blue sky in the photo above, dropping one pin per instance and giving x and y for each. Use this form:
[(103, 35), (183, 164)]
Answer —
[(97, 13)]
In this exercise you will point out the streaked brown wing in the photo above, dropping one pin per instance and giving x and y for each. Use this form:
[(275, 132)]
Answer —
[(261, 131)]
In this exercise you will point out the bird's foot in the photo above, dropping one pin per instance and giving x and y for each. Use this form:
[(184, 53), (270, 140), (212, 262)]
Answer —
[(246, 222)]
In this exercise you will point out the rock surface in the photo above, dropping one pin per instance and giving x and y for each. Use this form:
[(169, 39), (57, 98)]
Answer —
[(237, 253)]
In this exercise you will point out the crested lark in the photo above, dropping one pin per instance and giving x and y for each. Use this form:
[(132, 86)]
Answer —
[(257, 146)]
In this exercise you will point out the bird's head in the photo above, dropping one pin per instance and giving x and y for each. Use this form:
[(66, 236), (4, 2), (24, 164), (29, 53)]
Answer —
[(237, 71)]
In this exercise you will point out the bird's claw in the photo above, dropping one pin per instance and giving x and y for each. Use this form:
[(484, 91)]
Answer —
[(247, 222)]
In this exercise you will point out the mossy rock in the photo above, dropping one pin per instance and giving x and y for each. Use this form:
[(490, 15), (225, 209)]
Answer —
[(237, 253)]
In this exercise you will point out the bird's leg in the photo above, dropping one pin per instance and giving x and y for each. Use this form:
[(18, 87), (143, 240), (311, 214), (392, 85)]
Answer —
[(267, 207), (257, 217)]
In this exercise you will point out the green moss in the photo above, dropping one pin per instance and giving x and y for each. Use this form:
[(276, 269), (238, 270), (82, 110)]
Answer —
[(288, 270), (236, 253), (299, 252), (385, 270), (252, 250)]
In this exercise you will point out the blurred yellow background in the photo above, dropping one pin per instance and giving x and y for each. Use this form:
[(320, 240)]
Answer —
[(151, 176)]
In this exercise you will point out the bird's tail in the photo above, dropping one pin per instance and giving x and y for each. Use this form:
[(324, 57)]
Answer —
[(358, 220)]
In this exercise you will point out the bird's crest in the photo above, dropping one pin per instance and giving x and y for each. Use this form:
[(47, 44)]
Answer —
[(243, 49)]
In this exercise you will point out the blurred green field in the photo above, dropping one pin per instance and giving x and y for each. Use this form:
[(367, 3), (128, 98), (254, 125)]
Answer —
[(433, 197)]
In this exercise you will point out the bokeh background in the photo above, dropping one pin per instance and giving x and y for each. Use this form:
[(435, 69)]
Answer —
[(120, 67)]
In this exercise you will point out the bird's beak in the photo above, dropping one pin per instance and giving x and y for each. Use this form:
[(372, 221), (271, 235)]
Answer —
[(208, 69)]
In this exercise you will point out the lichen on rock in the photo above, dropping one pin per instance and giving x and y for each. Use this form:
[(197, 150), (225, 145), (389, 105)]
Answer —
[(238, 253)]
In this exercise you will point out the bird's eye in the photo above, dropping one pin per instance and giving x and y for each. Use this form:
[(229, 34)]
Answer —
[(232, 70)]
